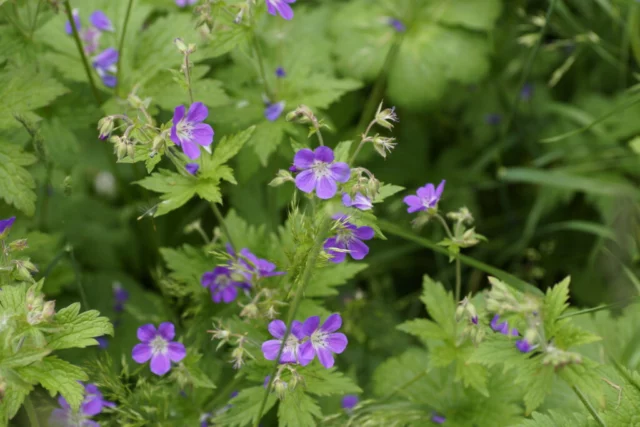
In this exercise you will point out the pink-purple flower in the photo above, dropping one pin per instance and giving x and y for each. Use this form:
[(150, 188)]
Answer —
[(348, 239), (92, 405), (523, 346), (359, 201), (76, 20), (502, 327), (349, 401), (273, 110), (291, 350), (157, 345), (319, 172), (427, 198), (189, 132), (5, 225), (105, 65), (100, 21), (222, 286), (323, 340), (280, 7), (192, 168)]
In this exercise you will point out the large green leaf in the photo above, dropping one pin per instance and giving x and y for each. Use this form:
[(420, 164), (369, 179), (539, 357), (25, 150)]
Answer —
[(16, 183)]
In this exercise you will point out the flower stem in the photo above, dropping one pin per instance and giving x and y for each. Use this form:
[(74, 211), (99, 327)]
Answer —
[(306, 277), (316, 125), (31, 412), (85, 61), (121, 46), (362, 142), (588, 405), (458, 278), (35, 18), (187, 75), (444, 225), (263, 75), (76, 271), (222, 224)]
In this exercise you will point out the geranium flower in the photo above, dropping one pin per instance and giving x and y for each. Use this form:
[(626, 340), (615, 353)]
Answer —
[(280, 7), (221, 285), (290, 352), (99, 20), (319, 172), (157, 346), (273, 111), (92, 405), (105, 64), (349, 402), (5, 224), (323, 341), (185, 3), (76, 19), (359, 201), (349, 239), (427, 198), (189, 132)]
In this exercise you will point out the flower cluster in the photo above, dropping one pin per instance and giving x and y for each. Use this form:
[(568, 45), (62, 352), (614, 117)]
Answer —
[(306, 340), (348, 240), (318, 171), (105, 62), (92, 405), (157, 345), (241, 272), (190, 133)]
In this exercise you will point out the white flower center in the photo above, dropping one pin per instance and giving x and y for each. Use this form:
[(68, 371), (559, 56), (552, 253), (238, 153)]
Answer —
[(344, 235), (159, 345), (184, 129), (318, 338), (320, 168)]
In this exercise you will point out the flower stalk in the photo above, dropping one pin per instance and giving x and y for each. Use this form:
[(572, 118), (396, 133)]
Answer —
[(121, 46)]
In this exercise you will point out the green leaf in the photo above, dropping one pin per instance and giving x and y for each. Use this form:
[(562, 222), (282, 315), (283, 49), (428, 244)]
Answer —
[(16, 183), (555, 303), (319, 91), (75, 329), (325, 280), (424, 329), (12, 299), (245, 407), (12, 400), (187, 264), (23, 357), (298, 409), (176, 189), (229, 147), (57, 376), (558, 418), (440, 305), (327, 382), (625, 412), (387, 190)]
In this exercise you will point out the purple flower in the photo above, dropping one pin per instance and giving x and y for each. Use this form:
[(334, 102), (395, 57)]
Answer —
[(359, 201), (523, 346), (90, 37), (258, 267), (221, 285), (273, 111), (192, 168), (76, 19), (319, 172), (5, 225), (265, 383), (103, 343), (99, 20), (503, 327), (204, 418), (293, 169), (474, 320), (280, 72), (526, 92), (438, 419), (349, 238), (189, 132), (322, 340), (290, 353), (92, 405), (157, 346), (184, 3), (427, 198), (397, 25), (281, 7), (105, 65), (121, 295), (493, 119), (349, 401)]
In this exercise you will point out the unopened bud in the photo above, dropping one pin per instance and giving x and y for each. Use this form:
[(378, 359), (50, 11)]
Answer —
[(105, 127), (374, 187), (48, 310), (280, 387), (182, 47), (131, 151), (250, 311), (18, 245), (282, 177), (302, 114), (386, 116)]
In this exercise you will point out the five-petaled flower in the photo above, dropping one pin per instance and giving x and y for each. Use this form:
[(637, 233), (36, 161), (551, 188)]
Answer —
[(359, 201), (105, 65), (319, 171), (349, 402), (280, 7), (158, 346), (323, 340), (291, 350), (101, 21), (5, 225), (348, 239), (189, 132), (427, 198), (92, 405), (221, 285)]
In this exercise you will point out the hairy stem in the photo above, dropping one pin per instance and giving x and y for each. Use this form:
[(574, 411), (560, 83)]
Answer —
[(222, 224), (589, 406), (263, 75), (458, 278), (121, 46), (323, 229), (187, 76), (362, 142), (83, 56), (31, 412)]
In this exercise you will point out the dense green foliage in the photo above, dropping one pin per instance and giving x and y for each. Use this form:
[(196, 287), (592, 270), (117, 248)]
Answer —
[(527, 108)]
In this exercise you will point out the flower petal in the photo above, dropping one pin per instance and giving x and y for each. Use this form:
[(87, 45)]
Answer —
[(92, 406), (160, 364), (336, 342), (197, 112), (306, 353), (340, 171), (296, 329), (141, 353), (303, 159), (277, 328), (229, 293), (326, 187), (326, 357), (167, 330), (306, 181), (270, 349), (440, 189), (414, 203), (426, 192), (332, 243), (332, 323), (364, 233), (190, 149), (178, 114), (146, 332), (176, 351), (357, 249), (324, 154), (202, 134), (285, 10), (174, 135), (99, 20), (346, 200), (310, 325)]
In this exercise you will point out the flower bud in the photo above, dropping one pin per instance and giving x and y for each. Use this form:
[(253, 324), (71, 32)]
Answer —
[(374, 187), (383, 145), (105, 127), (135, 101), (282, 177), (182, 47), (48, 310), (18, 245), (460, 312), (237, 356), (131, 151), (280, 387), (386, 116), (302, 114), (250, 311)]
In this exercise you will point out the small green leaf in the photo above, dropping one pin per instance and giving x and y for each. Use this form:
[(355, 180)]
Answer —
[(229, 147), (16, 183), (555, 303), (326, 279), (440, 305), (75, 329), (245, 407), (298, 409), (342, 150)]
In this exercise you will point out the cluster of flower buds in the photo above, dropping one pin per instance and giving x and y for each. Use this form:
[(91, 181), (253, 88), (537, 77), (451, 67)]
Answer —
[(23, 270), (38, 310), (123, 146), (186, 49), (501, 298), (105, 127), (464, 237), (559, 358), (281, 177), (366, 183), (239, 353)]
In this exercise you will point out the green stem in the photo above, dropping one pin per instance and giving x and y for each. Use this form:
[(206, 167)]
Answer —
[(35, 18), (31, 412), (121, 46), (187, 76), (316, 125), (76, 271), (444, 225), (263, 75), (458, 278), (85, 62), (588, 405), (306, 277), (222, 224), (362, 142)]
